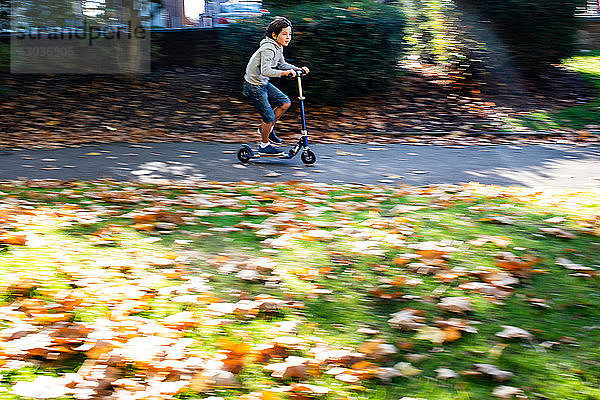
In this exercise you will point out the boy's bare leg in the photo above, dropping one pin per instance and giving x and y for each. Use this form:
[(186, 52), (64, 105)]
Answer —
[(279, 111), (265, 129)]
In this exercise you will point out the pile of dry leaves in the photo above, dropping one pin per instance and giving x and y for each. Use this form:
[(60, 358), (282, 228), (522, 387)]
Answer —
[(191, 104)]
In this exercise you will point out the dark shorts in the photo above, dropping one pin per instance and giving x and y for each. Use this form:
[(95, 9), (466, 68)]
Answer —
[(261, 95)]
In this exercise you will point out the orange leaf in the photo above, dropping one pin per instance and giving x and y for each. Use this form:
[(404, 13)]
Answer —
[(313, 389), (447, 276), (265, 352), (51, 318), (14, 239), (233, 365), (145, 218), (401, 261), (521, 265), (399, 281), (452, 334), (405, 345), (364, 365), (429, 254), (208, 298), (235, 348), (98, 349), (143, 227), (268, 395)]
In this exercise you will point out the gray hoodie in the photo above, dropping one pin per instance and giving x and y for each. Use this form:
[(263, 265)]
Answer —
[(266, 62)]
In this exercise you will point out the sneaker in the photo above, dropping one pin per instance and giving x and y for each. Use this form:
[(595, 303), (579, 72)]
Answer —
[(273, 137), (269, 150)]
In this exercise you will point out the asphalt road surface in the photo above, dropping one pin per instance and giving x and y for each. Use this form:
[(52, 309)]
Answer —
[(565, 166)]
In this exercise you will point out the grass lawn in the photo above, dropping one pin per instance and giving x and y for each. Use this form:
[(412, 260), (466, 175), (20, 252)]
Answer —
[(298, 290), (576, 117)]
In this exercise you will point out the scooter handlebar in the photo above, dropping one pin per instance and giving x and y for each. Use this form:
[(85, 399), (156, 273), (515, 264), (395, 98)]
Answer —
[(299, 72)]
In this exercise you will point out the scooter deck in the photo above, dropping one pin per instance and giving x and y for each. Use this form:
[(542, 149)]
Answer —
[(259, 155)]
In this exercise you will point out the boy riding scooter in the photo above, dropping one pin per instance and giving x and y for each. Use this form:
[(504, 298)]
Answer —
[(268, 62)]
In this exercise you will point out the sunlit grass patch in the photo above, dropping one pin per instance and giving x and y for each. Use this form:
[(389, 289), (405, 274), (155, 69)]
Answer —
[(226, 279), (575, 117)]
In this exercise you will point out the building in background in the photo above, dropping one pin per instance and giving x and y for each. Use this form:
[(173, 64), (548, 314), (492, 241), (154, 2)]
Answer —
[(224, 12), (175, 14), (591, 9)]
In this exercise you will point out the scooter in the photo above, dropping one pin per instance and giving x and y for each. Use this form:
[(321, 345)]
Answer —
[(247, 154)]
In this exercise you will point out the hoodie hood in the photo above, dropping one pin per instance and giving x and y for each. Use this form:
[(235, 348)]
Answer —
[(266, 62), (270, 41)]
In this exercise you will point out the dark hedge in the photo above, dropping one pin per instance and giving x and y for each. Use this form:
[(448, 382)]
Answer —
[(535, 32), (350, 51)]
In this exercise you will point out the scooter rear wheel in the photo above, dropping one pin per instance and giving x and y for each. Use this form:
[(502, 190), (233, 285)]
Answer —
[(308, 157), (244, 155)]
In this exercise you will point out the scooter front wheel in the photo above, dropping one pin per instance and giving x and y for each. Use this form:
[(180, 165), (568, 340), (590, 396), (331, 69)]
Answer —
[(244, 155), (308, 157)]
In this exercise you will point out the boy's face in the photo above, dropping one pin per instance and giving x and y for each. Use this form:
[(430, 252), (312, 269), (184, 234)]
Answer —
[(284, 37)]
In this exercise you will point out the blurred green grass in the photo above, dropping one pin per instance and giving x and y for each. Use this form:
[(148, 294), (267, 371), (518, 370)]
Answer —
[(566, 370), (575, 117)]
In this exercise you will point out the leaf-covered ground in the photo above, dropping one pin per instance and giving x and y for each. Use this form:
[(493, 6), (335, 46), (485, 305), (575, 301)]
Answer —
[(297, 290), (183, 104)]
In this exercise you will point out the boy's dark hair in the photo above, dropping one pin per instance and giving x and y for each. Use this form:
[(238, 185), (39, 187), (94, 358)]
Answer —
[(276, 26)]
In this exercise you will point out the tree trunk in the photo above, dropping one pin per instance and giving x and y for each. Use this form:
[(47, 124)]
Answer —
[(134, 57)]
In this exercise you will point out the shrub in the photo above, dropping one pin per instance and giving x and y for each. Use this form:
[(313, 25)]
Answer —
[(535, 32), (350, 51), (4, 57)]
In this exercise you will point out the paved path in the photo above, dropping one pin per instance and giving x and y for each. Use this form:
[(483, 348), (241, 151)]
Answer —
[(524, 165)]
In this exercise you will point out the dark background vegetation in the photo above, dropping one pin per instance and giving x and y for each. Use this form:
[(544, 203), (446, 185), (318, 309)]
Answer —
[(354, 48), (378, 69)]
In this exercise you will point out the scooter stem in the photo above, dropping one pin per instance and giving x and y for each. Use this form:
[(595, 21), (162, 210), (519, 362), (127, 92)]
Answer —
[(301, 96), (302, 113)]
